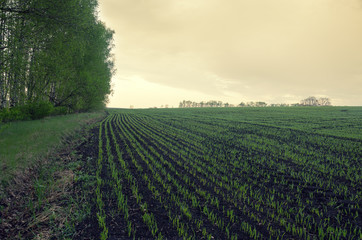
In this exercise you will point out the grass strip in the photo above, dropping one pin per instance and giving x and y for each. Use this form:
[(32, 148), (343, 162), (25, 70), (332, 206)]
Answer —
[(46, 198), (23, 143)]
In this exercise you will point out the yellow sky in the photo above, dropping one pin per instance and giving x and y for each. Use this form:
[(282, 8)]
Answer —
[(278, 51)]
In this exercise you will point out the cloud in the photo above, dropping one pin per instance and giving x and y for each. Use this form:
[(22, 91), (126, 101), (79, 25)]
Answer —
[(246, 46)]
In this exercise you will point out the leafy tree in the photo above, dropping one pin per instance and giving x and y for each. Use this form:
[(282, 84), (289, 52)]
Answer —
[(260, 104), (310, 101), (324, 102), (54, 51), (313, 101), (242, 104)]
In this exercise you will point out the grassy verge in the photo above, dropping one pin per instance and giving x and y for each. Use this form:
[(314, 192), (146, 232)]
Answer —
[(47, 195), (23, 143)]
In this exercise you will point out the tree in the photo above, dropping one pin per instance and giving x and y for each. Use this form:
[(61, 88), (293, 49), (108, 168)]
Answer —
[(313, 101), (260, 104), (324, 101), (250, 104), (310, 101), (55, 51)]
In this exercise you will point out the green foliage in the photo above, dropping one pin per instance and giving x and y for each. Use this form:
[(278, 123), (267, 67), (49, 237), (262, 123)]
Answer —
[(35, 110), (38, 110), (58, 51), (59, 111), (13, 114)]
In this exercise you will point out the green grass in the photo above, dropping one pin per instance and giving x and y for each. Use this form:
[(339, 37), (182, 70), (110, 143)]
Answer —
[(22, 143)]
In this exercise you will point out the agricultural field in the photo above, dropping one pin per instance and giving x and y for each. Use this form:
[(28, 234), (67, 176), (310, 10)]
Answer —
[(233, 173)]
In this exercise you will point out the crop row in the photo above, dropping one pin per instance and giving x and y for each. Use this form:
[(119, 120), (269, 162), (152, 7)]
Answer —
[(167, 176)]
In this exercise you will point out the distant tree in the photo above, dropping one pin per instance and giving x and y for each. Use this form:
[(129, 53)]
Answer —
[(310, 101), (250, 104), (242, 104), (324, 101), (260, 104), (313, 101), (212, 103)]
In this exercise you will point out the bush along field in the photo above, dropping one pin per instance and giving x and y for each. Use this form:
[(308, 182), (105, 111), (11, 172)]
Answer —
[(228, 174), (43, 184)]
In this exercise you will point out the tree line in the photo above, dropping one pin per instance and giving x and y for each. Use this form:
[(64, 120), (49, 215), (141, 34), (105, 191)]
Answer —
[(213, 103), (53, 55), (310, 101), (313, 101)]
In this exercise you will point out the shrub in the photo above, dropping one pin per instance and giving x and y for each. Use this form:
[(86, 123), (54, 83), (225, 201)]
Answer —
[(60, 111), (13, 114), (39, 109), (34, 110)]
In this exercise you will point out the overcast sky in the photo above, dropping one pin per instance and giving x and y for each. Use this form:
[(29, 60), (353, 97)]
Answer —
[(277, 51)]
